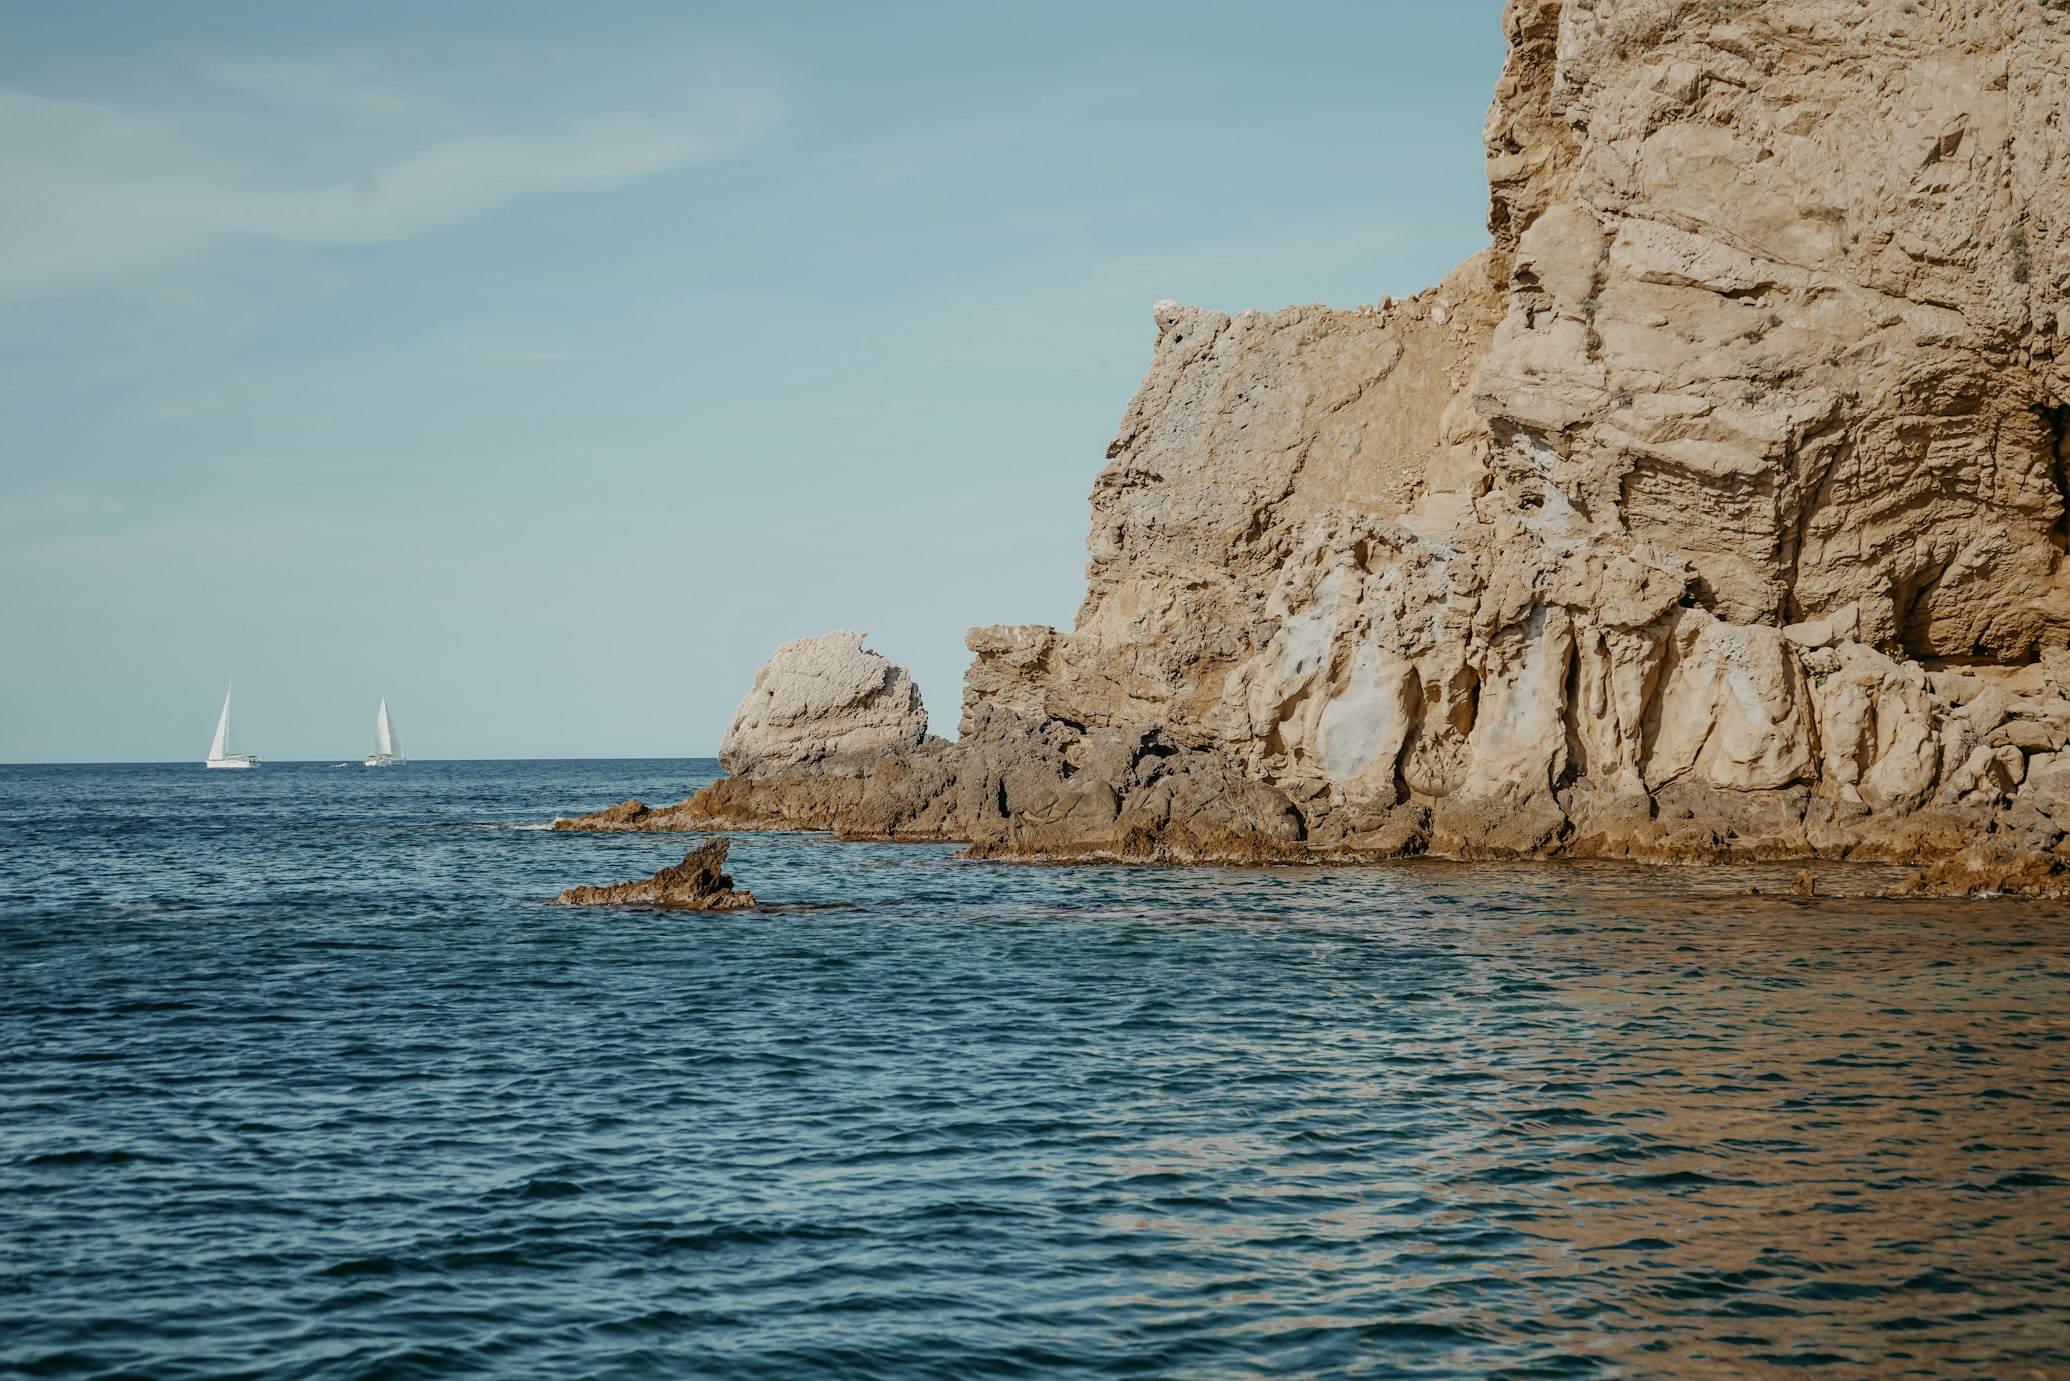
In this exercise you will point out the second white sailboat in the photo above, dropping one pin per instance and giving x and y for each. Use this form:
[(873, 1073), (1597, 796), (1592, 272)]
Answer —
[(219, 754)]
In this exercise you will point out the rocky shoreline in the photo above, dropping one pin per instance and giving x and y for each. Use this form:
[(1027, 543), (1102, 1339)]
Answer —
[(1006, 789), (1714, 512)]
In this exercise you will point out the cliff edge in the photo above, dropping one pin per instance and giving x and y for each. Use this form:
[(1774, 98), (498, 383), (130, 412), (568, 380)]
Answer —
[(1716, 509)]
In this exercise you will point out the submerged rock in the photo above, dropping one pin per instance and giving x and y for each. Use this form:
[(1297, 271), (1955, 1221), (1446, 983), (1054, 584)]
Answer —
[(698, 883), (1988, 868)]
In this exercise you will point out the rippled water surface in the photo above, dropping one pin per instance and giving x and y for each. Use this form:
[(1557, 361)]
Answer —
[(298, 1078)]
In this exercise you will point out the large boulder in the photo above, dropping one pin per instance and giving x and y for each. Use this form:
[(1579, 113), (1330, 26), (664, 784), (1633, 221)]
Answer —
[(823, 698)]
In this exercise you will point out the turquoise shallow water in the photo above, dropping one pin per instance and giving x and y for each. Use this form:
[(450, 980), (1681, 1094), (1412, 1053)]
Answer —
[(298, 1078)]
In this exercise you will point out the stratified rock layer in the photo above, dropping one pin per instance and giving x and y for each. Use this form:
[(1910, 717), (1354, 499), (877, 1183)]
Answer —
[(698, 883), (1716, 510)]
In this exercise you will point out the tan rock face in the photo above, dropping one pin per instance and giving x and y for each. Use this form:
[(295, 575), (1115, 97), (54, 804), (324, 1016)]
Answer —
[(1783, 312), (1584, 514), (1659, 529), (821, 698)]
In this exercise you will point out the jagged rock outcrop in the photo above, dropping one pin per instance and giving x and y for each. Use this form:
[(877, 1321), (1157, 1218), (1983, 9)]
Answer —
[(1992, 867), (1715, 510), (1007, 787), (698, 883), (626, 815)]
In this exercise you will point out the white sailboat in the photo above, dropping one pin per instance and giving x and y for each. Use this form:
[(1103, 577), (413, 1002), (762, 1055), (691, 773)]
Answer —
[(387, 747), (219, 754)]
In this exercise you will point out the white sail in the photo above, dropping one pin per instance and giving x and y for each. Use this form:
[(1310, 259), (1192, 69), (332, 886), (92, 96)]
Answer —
[(387, 747), (219, 754), (221, 747), (384, 733)]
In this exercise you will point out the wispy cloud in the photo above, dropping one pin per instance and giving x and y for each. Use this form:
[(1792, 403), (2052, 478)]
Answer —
[(91, 191), (317, 86)]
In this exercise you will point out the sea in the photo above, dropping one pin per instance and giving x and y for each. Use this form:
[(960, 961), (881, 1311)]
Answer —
[(303, 1075)]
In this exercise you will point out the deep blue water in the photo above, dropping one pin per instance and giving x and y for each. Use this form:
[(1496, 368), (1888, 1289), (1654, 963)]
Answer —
[(299, 1078)]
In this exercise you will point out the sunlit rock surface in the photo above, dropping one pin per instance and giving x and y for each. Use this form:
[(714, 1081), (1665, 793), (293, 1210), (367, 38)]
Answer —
[(1716, 509), (823, 698)]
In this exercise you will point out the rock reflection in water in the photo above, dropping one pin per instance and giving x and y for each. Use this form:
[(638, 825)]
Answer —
[(1801, 1133), (320, 1088)]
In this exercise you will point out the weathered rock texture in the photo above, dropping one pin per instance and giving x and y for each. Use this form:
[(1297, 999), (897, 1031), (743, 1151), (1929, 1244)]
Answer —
[(823, 698), (1715, 510), (698, 883)]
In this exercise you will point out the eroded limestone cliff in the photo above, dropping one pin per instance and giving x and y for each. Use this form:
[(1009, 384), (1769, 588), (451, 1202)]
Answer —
[(1716, 509)]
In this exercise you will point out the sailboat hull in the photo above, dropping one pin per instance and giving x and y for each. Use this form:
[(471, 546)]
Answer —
[(236, 760), (381, 760)]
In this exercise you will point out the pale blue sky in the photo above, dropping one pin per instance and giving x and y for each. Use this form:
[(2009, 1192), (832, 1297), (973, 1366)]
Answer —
[(542, 367)]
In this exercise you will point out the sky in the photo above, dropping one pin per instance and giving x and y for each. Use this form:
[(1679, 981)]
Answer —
[(543, 367)]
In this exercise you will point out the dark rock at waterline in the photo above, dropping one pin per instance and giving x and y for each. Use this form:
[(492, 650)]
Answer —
[(626, 815), (698, 883)]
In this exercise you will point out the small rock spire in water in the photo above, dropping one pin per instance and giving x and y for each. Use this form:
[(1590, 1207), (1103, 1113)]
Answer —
[(698, 883)]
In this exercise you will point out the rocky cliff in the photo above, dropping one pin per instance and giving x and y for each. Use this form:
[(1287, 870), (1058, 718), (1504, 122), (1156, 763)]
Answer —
[(1715, 509)]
